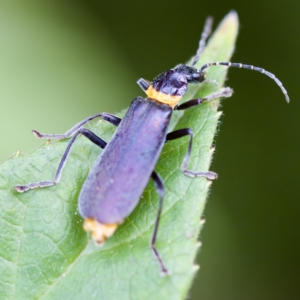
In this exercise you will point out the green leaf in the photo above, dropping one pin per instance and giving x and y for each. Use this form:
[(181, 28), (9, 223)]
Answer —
[(44, 252)]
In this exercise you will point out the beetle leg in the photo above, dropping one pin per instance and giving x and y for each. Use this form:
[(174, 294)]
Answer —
[(106, 116), (88, 134), (224, 92), (181, 133), (161, 192)]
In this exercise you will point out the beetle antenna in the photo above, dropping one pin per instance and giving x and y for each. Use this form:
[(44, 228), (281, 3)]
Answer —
[(205, 34), (263, 71)]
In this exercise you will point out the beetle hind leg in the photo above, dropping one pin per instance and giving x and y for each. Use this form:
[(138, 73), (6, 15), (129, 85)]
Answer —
[(161, 192)]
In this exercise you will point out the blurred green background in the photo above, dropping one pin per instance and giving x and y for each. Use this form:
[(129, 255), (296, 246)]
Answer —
[(62, 61)]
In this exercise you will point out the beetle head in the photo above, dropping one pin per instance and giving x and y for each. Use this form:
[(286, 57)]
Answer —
[(192, 74), (174, 82)]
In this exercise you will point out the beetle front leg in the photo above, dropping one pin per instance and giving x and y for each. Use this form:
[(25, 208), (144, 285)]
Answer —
[(179, 134), (224, 92), (88, 134)]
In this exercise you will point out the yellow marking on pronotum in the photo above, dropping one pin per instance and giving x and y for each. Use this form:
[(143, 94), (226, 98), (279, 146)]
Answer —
[(162, 97), (100, 232)]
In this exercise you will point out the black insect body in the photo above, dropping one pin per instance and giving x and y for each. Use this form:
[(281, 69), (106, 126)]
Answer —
[(122, 171)]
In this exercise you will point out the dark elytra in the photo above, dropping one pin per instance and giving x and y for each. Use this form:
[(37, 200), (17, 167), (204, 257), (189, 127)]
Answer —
[(112, 191)]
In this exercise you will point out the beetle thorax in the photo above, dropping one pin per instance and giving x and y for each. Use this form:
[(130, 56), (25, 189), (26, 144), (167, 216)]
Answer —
[(168, 88)]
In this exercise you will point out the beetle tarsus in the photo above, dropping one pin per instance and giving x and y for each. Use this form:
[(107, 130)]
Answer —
[(223, 92), (209, 175), (114, 120), (163, 269), (48, 136), (34, 185), (36, 133), (161, 192)]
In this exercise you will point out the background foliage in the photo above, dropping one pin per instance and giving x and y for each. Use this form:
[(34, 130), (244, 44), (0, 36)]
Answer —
[(57, 61)]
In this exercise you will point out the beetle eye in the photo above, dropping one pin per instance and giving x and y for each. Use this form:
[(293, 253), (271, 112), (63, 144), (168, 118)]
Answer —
[(196, 75)]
